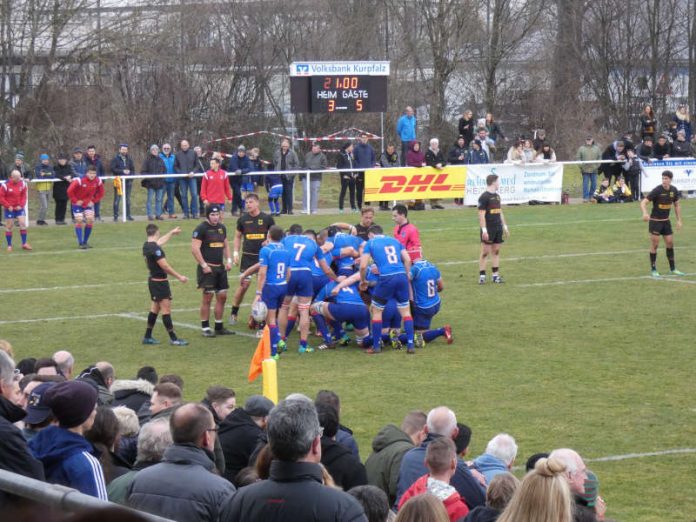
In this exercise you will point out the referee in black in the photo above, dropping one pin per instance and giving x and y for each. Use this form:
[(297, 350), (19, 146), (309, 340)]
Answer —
[(252, 227), (211, 250), (158, 284)]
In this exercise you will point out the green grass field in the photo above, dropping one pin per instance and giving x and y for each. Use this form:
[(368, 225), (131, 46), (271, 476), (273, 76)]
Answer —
[(579, 348)]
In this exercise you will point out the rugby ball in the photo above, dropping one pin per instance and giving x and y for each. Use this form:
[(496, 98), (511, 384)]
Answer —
[(259, 311)]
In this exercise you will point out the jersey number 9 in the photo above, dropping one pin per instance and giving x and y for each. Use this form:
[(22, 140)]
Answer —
[(280, 271)]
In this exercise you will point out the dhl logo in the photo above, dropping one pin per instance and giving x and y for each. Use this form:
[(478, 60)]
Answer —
[(395, 184)]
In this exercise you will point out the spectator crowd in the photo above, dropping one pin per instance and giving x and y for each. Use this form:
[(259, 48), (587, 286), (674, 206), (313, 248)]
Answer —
[(136, 442)]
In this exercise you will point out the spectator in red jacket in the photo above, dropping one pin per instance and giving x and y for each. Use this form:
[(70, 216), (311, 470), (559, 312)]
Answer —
[(214, 188), (84, 194), (406, 233), (441, 460), (13, 198)]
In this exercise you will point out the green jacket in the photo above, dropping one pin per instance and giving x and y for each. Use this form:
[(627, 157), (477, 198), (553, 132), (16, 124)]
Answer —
[(383, 465), (590, 153), (117, 490)]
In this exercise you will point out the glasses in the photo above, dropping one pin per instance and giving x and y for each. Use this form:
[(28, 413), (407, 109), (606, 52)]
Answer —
[(17, 375), (213, 429)]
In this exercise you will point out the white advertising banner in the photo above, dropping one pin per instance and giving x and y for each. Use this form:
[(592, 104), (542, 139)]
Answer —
[(684, 171), (518, 183)]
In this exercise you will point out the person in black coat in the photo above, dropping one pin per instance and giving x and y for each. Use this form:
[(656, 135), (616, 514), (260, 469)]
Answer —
[(240, 432), (64, 173), (154, 164), (614, 151), (663, 148), (466, 127)]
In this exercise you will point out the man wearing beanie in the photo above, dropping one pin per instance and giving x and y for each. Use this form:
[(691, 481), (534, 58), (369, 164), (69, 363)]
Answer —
[(68, 458)]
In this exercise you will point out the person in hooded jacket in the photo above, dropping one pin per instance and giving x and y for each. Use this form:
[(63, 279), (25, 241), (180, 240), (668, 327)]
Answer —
[(154, 164), (136, 392), (64, 174), (477, 155), (345, 468), (415, 157), (69, 459), (346, 161)]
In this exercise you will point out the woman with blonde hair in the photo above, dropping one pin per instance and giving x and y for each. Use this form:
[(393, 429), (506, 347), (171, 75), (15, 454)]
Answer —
[(543, 496), (423, 508)]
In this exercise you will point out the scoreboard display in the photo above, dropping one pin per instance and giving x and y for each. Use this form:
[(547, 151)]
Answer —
[(314, 92)]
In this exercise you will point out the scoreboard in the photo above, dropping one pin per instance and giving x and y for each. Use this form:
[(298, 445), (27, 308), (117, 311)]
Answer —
[(327, 87)]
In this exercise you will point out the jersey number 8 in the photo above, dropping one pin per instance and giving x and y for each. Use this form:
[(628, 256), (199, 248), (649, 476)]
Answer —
[(392, 258)]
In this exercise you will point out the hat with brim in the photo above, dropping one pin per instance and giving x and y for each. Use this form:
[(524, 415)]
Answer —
[(37, 411)]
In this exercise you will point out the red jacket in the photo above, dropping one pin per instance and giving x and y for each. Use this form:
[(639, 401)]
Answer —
[(215, 188), (86, 190), (409, 238), (454, 504), (13, 194)]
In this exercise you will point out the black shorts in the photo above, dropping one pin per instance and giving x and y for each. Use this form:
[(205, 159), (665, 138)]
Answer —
[(495, 236), (660, 228), (215, 281), (248, 260), (159, 290)]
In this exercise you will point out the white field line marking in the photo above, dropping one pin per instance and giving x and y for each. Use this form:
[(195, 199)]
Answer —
[(68, 287), (673, 280), (627, 456), (604, 280), (180, 324)]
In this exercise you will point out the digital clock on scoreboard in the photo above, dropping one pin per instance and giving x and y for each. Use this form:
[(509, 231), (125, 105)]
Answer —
[(341, 93)]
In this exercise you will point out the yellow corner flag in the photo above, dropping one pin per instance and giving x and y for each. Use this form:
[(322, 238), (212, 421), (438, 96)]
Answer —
[(263, 351)]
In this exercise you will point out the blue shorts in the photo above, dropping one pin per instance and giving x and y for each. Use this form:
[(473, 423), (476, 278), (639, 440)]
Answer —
[(248, 187), (79, 209), (356, 314), (393, 286), (423, 316), (273, 295), (346, 270), (12, 214), (275, 192), (300, 283), (391, 318), (319, 282)]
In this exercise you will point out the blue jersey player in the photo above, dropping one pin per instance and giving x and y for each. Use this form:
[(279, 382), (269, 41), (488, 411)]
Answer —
[(274, 261), (304, 250), (338, 303), (393, 263), (426, 282)]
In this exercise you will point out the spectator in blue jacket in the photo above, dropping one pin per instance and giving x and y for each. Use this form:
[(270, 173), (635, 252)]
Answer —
[(365, 158), (477, 155), (68, 458), (122, 166), (239, 167), (170, 184), (499, 457), (406, 129), (92, 158)]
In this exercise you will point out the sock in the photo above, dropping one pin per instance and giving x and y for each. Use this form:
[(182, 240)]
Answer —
[(495, 271), (653, 260), (78, 233), (365, 342), (289, 327), (88, 231), (167, 320), (8, 237), (218, 325), (205, 324), (670, 257), (482, 273), (303, 343), (320, 321), (151, 320), (235, 310), (275, 338), (408, 328), (376, 334), (338, 330), (433, 334), (23, 234)]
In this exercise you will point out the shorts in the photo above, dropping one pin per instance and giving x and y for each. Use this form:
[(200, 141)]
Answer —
[(275, 192), (356, 314), (273, 295), (660, 228), (318, 282), (391, 318), (79, 209), (391, 287), (346, 270), (423, 316), (495, 236), (215, 281), (13, 214), (300, 283), (247, 261), (248, 187), (159, 290)]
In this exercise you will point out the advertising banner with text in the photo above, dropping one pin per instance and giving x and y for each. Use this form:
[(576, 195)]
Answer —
[(414, 183), (684, 174), (518, 183)]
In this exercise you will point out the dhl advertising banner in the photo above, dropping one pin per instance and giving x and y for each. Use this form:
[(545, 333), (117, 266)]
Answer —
[(414, 183), (518, 183), (684, 174)]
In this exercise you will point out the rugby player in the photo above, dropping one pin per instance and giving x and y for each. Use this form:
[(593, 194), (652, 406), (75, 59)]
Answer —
[(253, 226), (367, 217), (304, 251), (211, 250), (393, 263), (663, 197), (493, 227), (271, 283), (427, 284), (160, 293), (84, 193), (215, 189), (13, 198), (338, 305)]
